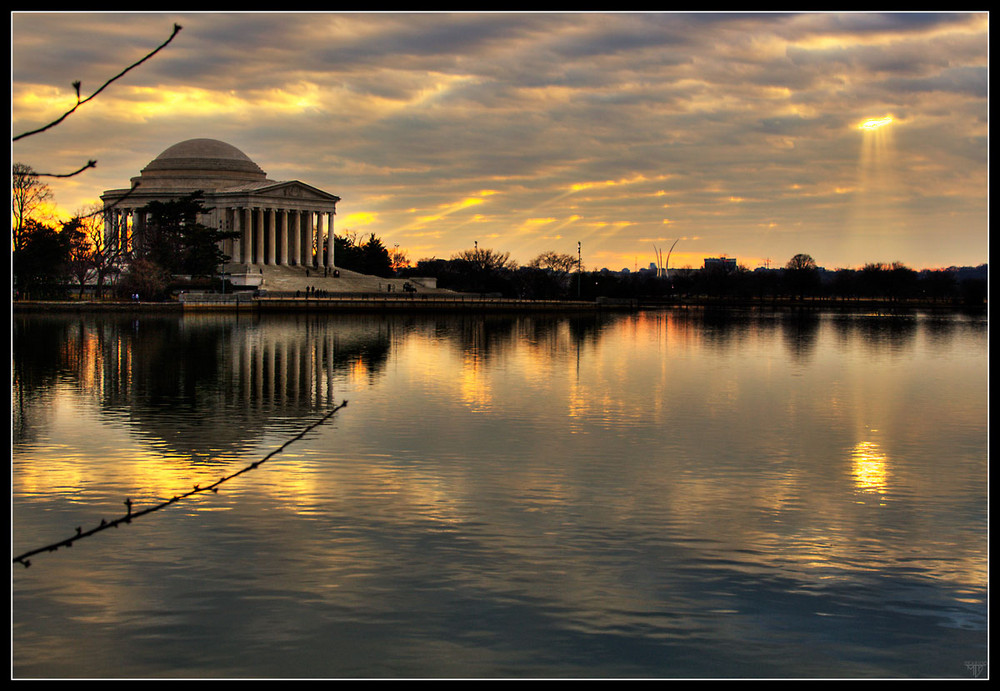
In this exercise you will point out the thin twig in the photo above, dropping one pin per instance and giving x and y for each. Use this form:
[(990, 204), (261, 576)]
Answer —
[(90, 164), (114, 204), (76, 85), (131, 516)]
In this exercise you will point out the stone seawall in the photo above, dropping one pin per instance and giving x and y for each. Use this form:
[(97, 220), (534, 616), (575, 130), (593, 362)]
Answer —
[(384, 303), (245, 303)]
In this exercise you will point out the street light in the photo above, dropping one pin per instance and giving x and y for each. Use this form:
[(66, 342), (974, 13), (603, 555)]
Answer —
[(579, 269)]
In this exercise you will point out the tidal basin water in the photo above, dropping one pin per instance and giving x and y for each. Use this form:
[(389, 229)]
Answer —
[(652, 494)]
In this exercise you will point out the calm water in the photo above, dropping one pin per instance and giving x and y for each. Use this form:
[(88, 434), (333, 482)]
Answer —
[(662, 494)]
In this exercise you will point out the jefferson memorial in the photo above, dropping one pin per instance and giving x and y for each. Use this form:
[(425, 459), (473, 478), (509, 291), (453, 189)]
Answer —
[(278, 224)]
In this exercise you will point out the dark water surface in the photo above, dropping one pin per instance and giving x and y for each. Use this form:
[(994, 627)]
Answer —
[(661, 494)]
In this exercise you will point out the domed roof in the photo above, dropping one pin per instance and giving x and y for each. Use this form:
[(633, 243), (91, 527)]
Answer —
[(205, 156)]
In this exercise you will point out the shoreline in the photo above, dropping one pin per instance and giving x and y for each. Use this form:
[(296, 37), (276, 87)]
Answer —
[(382, 303)]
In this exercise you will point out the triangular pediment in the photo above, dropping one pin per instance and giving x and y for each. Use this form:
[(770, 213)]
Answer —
[(286, 190), (297, 190)]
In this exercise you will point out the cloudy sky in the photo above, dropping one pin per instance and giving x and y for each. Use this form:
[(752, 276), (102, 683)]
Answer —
[(731, 134)]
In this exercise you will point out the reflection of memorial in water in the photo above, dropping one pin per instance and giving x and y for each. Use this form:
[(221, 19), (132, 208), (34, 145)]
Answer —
[(209, 385), (271, 373)]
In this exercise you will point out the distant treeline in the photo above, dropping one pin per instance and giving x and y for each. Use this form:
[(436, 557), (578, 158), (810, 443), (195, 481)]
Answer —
[(887, 282)]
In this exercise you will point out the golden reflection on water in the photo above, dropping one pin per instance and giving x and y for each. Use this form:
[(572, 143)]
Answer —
[(630, 477), (475, 387), (869, 466)]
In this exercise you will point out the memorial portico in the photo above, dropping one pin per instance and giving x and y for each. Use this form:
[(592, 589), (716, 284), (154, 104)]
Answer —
[(278, 232), (277, 223)]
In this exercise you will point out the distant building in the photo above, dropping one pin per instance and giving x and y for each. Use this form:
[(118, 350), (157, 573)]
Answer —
[(724, 263)]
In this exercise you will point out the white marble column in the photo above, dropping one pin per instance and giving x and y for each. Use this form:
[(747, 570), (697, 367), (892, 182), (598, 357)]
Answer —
[(138, 225), (271, 236), (299, 233), (329, 241), (281, 228), (247, 225), (247, 214), (307, 240), (294, 237), (108, 233), (246, 235), (258, 223), (111, 228), (121, 230), (238, 240)]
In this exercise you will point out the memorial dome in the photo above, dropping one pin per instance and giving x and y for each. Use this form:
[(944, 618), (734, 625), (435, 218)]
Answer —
[(210, 162)]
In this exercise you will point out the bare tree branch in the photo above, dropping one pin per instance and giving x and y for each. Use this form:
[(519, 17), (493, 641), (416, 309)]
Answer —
[(116, 202), (133, 515), (90, 164), (80, 102)]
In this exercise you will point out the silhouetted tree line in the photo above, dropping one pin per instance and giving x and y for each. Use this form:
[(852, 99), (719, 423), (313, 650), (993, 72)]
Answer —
[(173, 243), (550, 276), (368, 257), (46, 259), (885, 282), (41, 262), (484, 271), (44, 256)]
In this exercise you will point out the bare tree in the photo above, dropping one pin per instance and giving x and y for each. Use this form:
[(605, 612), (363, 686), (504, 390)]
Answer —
[(563, 263), (487, 259), (103, 256), (28, 197), (78, 252), (29, 194), (399, 259)]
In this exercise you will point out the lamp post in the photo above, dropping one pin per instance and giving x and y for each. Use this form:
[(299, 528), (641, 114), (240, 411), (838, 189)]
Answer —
[(579, 269)]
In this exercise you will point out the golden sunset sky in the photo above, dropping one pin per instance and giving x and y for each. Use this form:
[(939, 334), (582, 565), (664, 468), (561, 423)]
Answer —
[(733, 134)]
